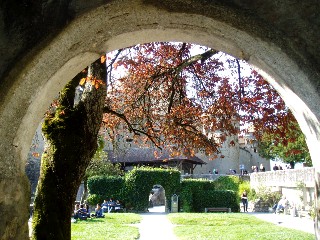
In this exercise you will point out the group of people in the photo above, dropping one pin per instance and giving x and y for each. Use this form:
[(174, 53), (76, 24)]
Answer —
[(278, 207), (82, 211), (276, 167), (261, 168), (111, 206)]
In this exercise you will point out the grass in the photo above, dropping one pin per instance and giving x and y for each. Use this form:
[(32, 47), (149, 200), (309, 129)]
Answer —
[(230, 226), (114, 226), (195, 226)]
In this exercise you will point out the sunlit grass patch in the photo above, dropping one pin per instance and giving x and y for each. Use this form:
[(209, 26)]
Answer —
[(113, 226), (230, 226)]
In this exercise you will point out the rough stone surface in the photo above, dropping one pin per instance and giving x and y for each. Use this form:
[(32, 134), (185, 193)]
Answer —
[(43, 44)]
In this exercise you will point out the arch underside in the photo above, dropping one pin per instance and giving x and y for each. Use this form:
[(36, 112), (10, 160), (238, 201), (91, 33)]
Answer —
[(111, 27)]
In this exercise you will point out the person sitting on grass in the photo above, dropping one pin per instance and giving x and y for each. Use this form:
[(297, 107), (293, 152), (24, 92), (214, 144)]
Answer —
[(98, 212), (105, 206), (111, 205), (86, 206), (75, 211), (81, 213), (118, 206)]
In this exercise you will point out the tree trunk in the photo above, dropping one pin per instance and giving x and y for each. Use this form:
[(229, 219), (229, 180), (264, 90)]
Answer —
[(71, 137), (317, 204)]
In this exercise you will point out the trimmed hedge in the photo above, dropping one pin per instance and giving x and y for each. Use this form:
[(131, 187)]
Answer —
[(217, 198), (197, 194), (190, 189), (194, 194), (105, 187), (140, 181)]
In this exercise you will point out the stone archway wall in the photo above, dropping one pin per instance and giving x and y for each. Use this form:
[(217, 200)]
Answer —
[(281, 39)]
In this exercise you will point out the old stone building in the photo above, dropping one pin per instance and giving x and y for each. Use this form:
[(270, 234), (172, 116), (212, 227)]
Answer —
[(237, 153)]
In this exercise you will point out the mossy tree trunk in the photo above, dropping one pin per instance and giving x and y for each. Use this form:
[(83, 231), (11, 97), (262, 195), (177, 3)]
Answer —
[(71, 138)]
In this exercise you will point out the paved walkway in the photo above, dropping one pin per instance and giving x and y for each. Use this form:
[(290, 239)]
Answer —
[(303, 224), (155, 225)]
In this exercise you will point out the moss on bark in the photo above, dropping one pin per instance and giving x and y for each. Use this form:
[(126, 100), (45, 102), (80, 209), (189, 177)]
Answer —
[(71, 137)]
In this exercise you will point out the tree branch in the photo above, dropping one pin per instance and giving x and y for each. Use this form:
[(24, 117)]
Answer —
[(131, 128)]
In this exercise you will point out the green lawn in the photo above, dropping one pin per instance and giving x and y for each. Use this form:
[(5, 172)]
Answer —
[(230, 226), (189, 226), (114, 226)]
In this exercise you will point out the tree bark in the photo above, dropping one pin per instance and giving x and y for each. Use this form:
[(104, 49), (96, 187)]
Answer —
[(71, 137), (317, 204)]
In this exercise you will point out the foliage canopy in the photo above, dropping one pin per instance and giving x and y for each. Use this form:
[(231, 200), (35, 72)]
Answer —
[(172, 96)]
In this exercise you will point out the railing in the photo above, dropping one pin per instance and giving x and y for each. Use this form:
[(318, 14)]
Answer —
[(201, 176), (284, 178), (280, 178), (211, 176)]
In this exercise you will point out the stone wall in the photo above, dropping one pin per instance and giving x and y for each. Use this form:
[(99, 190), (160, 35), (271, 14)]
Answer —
[(233, 157), (298, 185)]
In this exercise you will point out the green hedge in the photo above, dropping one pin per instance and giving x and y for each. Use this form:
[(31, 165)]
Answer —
[(140, 181), (196, 195), (105, 187), (190, 189), (216, 198)]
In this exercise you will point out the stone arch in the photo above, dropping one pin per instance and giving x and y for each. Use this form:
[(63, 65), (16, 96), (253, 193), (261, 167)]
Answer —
[(33, 82)]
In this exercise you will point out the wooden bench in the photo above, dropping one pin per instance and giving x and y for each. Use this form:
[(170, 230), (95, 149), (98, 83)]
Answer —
[(217, 209)]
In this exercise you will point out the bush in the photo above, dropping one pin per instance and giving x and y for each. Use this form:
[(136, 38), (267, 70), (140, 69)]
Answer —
[(94, 199), (265, 195), (227, 183), (216, 198), (106, 187), (197, 194), (140, 181), (190, 189)]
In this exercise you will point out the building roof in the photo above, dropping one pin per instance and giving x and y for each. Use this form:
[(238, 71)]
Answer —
[(147, 155)]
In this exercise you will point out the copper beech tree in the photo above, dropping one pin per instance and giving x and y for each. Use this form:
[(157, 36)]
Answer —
[(164, 94), (175, 96)]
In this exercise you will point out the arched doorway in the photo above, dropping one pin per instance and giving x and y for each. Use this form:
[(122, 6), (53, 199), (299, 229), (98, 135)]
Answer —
[(157, 199), (35, 80)]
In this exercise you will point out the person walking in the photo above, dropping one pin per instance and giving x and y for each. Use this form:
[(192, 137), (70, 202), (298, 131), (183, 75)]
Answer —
[(244, 199)]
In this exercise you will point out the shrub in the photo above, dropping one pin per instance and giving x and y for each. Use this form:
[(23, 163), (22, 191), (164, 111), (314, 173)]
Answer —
[(265, 195), (216, 198), (197, 194), (94, 199), (106, 187), (227, 183), (140, 181), (190, 189)]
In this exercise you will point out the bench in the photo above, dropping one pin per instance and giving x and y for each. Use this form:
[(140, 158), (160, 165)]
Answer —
[(217, 209)]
